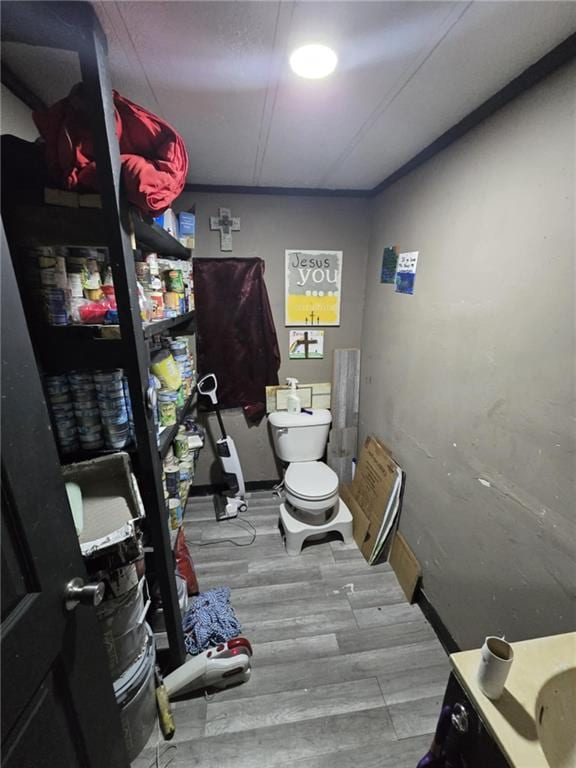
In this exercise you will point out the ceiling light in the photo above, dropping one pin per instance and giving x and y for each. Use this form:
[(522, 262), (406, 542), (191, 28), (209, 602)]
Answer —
[(313, 61)]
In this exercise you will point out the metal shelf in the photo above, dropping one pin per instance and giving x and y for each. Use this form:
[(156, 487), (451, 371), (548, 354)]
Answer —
[(161, 326), (151, 237), (61, 348), (82, 455), (169, 433), (75, 27)]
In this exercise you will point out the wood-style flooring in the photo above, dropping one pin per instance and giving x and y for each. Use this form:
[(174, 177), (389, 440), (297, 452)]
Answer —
[(345, 673)]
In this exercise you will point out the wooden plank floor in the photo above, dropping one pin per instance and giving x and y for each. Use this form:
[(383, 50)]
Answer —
[(345, 673)]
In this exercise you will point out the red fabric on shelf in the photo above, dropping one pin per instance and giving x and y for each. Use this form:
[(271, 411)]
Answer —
[(154, 158)]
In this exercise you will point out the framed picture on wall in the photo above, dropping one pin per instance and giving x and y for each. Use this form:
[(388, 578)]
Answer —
[(306, 344), (313, 288)]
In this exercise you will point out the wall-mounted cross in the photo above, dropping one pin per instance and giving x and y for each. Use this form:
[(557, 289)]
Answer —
[(226, 224), (306, 342)]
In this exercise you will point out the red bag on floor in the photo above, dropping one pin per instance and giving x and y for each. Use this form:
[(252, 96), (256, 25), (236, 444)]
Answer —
[(184, 564), (154, 158)]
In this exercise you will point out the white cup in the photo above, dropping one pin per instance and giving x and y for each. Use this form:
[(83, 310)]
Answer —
[(495, 661)]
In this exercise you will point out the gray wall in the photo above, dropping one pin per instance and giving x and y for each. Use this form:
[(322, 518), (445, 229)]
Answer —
[(16, 117), (472, 378), (269, 225)]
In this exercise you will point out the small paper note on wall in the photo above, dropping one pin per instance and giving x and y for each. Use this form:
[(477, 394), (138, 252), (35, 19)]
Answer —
[(406, 272), (389, 262)]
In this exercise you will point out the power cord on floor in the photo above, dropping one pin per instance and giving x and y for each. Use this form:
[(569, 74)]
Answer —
[(235, 521)]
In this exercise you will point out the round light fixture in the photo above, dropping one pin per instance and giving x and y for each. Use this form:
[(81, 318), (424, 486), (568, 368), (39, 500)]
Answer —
[(313, 61)]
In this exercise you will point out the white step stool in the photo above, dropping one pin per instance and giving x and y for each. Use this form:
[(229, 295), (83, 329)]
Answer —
[(297, 532)]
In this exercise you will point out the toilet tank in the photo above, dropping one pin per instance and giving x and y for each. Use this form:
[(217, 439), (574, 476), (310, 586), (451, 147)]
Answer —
[(300, 436)]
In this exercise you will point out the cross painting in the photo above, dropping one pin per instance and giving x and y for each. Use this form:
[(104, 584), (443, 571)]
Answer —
[(313, 288), (306, 345), (227, 224)]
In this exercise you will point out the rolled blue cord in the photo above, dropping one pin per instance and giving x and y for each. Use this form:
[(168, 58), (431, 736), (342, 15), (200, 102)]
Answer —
[(210, 620)]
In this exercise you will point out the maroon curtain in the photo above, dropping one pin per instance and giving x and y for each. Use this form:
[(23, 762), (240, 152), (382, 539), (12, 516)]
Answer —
[(235, 336)]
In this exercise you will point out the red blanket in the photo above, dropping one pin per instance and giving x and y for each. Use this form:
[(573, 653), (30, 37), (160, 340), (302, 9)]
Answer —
[(153, 155)]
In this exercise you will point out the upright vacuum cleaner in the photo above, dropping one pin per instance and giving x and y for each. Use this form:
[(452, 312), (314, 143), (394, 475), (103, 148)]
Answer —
[(231, 503)]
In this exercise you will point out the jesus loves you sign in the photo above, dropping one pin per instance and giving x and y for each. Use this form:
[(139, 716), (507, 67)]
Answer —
[(313, 287)]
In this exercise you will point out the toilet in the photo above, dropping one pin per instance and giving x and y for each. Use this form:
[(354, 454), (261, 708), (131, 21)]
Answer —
[(312, 506)]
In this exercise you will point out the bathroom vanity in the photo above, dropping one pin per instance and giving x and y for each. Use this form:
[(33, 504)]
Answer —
[(533, 724), (477, 747)]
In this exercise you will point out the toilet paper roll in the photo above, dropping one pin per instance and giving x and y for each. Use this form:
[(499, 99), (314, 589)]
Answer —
[(495, 661)]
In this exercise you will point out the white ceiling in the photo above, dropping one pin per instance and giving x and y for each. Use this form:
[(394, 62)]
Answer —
[(218, 72)]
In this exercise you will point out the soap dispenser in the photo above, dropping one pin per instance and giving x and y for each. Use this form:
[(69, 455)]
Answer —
[(293, 399)]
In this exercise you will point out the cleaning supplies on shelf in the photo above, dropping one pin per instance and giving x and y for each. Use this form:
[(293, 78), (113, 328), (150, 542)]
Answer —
[(293, 402)]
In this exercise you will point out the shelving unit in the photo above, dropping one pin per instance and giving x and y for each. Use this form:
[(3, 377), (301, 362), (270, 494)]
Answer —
[(151, 237), (75, 27), (186, 321), (168, 434), (87, 226)]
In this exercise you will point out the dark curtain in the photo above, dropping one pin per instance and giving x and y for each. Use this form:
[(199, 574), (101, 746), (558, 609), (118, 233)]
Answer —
[(235, 336)]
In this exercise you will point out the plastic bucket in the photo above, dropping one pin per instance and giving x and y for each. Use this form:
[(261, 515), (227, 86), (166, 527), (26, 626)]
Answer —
[(136, 696), (124, 628)]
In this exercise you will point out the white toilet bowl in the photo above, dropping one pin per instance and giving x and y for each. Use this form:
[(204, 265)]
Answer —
[(311, 488), (312, 507)]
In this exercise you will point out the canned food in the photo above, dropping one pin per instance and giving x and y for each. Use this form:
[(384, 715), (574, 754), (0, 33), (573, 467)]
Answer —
[(166, 413), (175, 511), (172, 300), (181, 446), (174, 281)]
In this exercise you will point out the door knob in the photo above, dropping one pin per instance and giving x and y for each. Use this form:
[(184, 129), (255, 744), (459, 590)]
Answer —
[(77, 592), (460, 718)]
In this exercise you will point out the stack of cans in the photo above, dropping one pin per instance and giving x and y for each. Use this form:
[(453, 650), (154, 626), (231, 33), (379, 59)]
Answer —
[(131, 432), (91, 410), (62, 408), (77, 277), (113, 407), (86, 408), (183, 359), (48, 281)]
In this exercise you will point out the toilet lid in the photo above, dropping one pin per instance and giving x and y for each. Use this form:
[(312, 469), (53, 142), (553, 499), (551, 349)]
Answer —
[(311, 480)]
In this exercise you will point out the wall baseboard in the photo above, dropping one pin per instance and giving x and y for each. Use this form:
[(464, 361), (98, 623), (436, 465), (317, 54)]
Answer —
[(442, 632)]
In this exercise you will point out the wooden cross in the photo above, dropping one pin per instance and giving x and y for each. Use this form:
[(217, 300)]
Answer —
[(226, 224), (306, 342)]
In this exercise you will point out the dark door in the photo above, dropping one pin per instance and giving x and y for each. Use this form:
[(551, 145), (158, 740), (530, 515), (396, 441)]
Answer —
[(58, 705)]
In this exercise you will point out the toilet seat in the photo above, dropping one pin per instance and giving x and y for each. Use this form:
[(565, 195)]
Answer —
[(311, 481)]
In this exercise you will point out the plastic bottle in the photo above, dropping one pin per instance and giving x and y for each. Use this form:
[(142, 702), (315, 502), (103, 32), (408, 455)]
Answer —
[(293, 399)]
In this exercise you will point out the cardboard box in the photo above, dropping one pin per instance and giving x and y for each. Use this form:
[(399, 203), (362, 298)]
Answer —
[(169, 222), (405, 565), (368, 494)]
